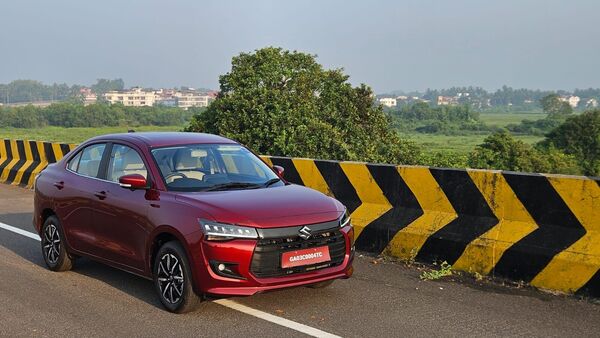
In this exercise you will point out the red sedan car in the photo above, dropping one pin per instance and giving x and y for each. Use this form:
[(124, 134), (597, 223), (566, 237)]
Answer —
[(198, 214)]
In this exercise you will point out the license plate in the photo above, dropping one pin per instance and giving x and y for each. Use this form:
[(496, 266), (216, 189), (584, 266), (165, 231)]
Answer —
[(310, 256)]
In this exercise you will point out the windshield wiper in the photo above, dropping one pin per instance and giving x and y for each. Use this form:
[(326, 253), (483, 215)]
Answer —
[(271, 181), (233, 185)]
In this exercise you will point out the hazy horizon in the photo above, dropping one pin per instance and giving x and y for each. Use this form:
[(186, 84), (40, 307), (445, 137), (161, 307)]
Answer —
[(389, 45)]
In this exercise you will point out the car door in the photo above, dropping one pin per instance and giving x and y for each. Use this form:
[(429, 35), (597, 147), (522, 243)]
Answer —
[(120, 215), (74, 197)]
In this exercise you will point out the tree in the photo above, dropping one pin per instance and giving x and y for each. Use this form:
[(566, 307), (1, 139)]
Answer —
[(501, 151), (284, 103), (555, 108), (579, 136), (105, 85)]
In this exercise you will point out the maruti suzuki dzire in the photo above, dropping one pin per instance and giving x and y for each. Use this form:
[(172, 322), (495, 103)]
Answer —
[(198, 214)]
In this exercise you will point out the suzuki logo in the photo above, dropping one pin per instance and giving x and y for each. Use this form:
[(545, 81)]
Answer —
[(304, 232)]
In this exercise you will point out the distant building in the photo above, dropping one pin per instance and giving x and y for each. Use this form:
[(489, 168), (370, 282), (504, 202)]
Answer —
[(591, 103), (572, 100), (387, 101), (87, 96), (447, 100), (166, 102), (165, 97), (188, 99), (401, 98), (135, 97)]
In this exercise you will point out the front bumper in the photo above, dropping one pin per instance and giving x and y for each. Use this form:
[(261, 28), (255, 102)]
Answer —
[(240, 252)]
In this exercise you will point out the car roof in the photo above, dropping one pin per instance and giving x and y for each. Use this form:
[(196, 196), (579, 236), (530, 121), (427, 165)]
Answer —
[(165, 139)]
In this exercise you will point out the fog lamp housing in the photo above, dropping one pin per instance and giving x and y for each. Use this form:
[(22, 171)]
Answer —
[(226, 269)]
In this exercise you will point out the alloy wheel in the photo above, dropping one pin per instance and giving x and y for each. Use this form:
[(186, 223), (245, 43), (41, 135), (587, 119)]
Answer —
[(170, 278), (51, 243)]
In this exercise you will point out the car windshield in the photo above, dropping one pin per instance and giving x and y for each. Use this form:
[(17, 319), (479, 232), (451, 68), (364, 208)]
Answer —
[(211, 167)]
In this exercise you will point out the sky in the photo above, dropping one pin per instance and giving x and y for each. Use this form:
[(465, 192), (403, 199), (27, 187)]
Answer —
[(389, 45)]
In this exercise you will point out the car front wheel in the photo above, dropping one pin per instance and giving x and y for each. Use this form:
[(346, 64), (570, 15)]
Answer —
[(173, 279), (53, 246)]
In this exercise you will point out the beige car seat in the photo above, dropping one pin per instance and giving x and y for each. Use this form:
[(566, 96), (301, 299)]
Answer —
[(188, 165), (130, 163)]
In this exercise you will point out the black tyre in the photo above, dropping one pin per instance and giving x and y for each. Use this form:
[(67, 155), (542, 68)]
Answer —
[(173, 279), (53, 246), (321, 285)]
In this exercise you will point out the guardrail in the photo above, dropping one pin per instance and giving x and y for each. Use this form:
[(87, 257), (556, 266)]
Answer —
[(540, 229)]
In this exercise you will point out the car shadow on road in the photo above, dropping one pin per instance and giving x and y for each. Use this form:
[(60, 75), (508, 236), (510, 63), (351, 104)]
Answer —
[(29, 249)]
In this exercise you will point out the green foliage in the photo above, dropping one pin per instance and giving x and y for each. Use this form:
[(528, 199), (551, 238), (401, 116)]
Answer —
[(74, 134), (31, 91), (555, 108), (443, 159), (284, 103), (537, 127), (579, 136), (557, 111), (501, 151), (70, 114), (422, 111), (447, 120), (105, 85), (445, 270)]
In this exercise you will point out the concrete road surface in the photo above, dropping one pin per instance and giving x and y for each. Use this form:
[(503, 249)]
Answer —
[(381, 300)]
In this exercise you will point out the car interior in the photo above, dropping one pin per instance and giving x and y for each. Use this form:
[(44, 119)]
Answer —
[(188, 168)]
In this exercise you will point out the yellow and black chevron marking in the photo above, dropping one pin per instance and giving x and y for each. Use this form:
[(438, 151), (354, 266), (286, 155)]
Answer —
[(21, 160), (544, 230)]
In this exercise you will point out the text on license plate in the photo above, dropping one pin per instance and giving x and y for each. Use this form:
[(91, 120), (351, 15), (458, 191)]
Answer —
[(305, 257)]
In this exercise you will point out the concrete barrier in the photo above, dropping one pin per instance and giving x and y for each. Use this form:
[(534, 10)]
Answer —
[(540, 229), (21, 160)]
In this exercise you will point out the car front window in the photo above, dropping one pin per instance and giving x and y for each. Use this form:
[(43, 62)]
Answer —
[(205, 167), (124, 161)]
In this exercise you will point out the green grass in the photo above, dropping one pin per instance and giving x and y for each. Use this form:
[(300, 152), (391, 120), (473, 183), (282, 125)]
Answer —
[(464, 144), (504, 119), (72, 135), (430, 142), (457, 143)]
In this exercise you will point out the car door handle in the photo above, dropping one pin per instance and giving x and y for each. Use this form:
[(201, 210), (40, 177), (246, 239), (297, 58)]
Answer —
[(59, 185), (100, 194)]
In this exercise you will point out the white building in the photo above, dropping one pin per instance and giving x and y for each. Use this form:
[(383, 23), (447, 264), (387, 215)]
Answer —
[(87, 96), (135, 97), (188, 99), (447, 100), (387, 101), (591, 103), (572, 100)]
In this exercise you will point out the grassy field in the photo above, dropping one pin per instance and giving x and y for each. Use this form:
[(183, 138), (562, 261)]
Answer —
[(430, 142), (72, 135), (504, 119), (457, 143), (465, 143)]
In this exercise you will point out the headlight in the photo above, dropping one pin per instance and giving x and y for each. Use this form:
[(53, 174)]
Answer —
[(345, 219), (215, 231)]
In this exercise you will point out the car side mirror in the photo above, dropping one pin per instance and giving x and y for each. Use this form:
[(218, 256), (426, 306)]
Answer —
[(279, 170), (133, 181)]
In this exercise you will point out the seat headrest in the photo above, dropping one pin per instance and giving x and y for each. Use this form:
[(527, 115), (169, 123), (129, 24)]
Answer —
[(186, 160)]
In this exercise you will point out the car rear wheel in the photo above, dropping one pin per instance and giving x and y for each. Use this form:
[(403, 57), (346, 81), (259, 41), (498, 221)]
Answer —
[(53, 247), (173, 279), (320, 285)]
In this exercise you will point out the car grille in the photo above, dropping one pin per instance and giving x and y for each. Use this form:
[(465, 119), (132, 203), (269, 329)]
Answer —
[(266, 261)]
